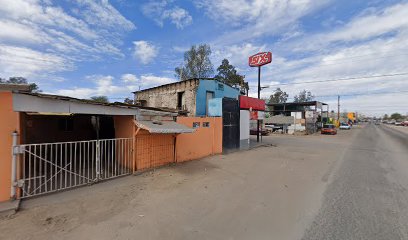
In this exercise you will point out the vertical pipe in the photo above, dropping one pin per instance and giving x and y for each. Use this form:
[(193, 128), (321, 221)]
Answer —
[(41, 169), (338, 109), (14, 166), (29, 169), (35, 169), (259, 97), (97, 160), (46, 168)]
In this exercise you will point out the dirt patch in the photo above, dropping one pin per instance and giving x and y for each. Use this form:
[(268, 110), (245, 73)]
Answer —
[(256, 194)]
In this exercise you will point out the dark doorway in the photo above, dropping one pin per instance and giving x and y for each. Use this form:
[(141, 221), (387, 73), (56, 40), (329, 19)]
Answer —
[(180, 100), (230, 118)]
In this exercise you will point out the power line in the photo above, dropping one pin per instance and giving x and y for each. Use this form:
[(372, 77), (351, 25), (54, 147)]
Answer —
[(338, 79), (362, 94)]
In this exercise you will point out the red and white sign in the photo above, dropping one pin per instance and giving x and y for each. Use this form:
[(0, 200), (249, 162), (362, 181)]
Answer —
[(260, 59)]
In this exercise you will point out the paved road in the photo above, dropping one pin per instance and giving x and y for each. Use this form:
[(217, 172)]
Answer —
[(368, 197)]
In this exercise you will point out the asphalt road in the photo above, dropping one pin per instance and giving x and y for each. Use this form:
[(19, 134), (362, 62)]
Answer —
[(367, 198)]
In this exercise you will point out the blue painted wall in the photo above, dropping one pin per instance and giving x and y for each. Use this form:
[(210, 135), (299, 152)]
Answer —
[(215, 87)]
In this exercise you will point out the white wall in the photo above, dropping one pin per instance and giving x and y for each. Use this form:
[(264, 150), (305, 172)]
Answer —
[(244, 124)]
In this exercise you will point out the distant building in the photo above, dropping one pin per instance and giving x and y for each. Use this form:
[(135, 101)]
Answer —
[(189, 96)]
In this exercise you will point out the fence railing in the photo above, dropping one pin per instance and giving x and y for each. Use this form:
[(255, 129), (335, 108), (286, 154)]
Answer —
[(50, 167)]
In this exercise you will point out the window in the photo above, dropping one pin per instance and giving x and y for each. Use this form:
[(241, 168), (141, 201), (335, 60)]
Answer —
[(196, 124), (221, 86), (206, 124), (66, 124)]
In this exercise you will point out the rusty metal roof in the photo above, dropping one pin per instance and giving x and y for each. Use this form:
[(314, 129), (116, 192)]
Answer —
[(87, 101), (163, 127), (14, 87)]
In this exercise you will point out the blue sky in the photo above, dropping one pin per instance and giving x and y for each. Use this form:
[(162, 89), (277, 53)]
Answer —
[(84, 48)]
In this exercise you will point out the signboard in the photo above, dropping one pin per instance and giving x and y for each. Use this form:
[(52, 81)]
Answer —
[(254, 115), (260, 59), (251, 103)]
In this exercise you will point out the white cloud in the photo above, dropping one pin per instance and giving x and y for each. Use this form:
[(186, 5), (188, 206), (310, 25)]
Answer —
[(160, 11), (254, 19), (107, 85), (150, 80), (103, 86), (178, 16), (381, 49), (144, 51), (129, 78), (70, 35), (18, 61), (97, 12)]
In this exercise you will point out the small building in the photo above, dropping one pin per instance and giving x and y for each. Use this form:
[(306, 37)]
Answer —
[(52, 143), (305, 117), (190, 96), (251, 111)]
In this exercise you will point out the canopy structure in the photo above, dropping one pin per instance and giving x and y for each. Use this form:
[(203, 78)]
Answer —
[(166, 127)]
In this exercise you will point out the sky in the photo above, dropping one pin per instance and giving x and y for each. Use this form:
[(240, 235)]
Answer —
[(84, 48)]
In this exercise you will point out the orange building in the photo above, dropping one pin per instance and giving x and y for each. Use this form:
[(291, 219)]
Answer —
[(63, 142)]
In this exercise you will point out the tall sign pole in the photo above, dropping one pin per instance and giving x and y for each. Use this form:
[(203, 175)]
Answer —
[(258, 60)]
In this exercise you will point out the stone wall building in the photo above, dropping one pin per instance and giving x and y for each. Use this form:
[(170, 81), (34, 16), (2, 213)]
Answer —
[(190, 96)]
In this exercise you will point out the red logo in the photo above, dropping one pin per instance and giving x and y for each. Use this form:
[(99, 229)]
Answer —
[(260, 59)]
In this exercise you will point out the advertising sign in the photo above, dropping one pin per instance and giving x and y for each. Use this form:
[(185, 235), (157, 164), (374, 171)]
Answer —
[(251, 103), (260, 59)]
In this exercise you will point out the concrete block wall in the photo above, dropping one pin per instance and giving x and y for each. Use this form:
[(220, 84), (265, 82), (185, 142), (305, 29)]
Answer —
[(166, 95)]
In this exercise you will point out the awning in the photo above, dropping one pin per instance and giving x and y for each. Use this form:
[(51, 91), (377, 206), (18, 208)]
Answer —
[(163, 127)]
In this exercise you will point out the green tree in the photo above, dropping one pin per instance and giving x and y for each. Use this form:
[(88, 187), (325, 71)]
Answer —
[(197, 63), (20, 80), (304, 96), (396, 116), (278, 96), (101, 99), (228, 74), (128, 101)]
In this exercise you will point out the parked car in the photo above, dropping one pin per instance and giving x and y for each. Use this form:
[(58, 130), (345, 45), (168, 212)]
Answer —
[(398, 123), (329, 129), (345, 126)]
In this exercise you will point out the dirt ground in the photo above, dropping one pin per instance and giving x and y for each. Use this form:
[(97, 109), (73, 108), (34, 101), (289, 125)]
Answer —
[(399, 128), (269, 192)]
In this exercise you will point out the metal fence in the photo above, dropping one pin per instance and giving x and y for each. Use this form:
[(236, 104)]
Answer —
[(50, 167)]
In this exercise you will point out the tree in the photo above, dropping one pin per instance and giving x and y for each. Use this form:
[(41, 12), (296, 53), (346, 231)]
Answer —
[(304, 96), (101, 99), (128, 101), (197, 63), (278, 96), (396, 116), (228, 74), (385, 116), (32, 87)]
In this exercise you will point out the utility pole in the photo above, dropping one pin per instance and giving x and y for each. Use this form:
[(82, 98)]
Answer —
[(259, 97), (259, 60), (338, 108)]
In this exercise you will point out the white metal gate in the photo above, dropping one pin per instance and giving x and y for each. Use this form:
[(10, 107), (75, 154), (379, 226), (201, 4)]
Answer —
[(50, 167)]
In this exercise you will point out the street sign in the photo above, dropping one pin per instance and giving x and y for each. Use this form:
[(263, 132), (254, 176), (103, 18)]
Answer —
[(260, 59)]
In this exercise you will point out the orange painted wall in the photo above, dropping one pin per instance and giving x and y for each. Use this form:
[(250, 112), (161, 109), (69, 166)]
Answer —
[(153, 150), (203, 142), (125, 128), (9, 122)]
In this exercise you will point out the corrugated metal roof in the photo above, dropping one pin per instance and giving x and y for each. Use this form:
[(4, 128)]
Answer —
[(14, 87), (87, 101), (163, 127)]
